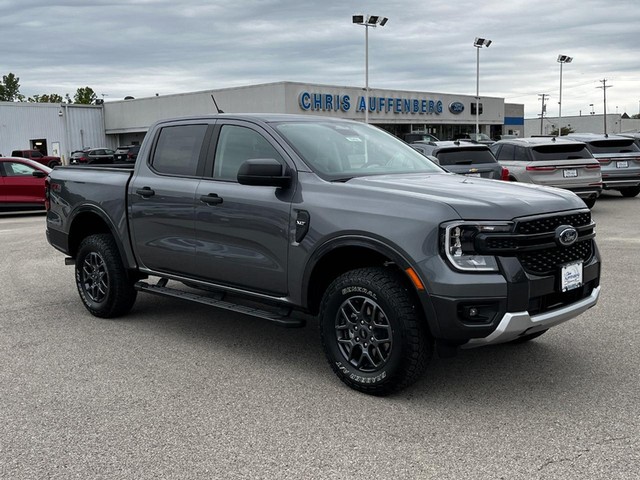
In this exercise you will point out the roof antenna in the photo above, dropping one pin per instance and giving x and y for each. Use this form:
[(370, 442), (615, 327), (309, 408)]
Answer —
[(216, 104)]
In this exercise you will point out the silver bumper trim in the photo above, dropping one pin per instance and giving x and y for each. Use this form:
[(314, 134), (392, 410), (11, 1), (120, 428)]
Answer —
[(516, 324)]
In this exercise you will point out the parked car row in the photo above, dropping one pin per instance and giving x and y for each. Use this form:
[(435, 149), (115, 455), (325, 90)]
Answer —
[(583, 163), (104, 156)]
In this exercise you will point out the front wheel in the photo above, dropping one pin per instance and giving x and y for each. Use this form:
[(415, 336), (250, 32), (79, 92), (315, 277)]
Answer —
[(630, 191), (373, 335), (103, 284)]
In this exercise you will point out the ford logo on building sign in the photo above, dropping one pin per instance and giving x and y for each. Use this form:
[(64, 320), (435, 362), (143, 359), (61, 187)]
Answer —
[(566, 235), (456, 107)]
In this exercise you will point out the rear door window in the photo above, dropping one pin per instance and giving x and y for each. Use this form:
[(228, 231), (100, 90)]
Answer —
[(506, 152), (178, 149)]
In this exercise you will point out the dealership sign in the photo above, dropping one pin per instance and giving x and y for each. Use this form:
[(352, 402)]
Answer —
[(335, 102)]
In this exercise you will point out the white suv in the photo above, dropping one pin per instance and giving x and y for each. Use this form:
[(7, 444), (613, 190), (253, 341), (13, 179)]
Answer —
[(553, 162)]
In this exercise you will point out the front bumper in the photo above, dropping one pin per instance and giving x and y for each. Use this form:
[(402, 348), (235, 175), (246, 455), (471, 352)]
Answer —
[(511, 297), (514, 325)]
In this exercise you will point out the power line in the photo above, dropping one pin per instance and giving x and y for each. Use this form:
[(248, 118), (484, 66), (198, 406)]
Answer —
[(604, 92), (543, 109)]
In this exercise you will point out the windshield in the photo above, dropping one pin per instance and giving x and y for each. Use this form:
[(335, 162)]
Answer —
[(342, 150)]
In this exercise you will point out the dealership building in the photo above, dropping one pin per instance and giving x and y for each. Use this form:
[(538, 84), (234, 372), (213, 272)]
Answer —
[(61, 129)]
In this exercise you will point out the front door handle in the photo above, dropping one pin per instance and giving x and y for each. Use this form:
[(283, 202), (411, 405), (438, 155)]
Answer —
[(211, 199), (145, 192)]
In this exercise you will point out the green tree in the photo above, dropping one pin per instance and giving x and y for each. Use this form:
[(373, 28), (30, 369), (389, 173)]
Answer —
[(10, 89), (85, 96), (565, 131), (50, 98)]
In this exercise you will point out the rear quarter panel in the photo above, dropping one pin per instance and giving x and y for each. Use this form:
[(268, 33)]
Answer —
[(101, 191)]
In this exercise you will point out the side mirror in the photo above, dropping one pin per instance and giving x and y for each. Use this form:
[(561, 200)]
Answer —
[(266, 172), (39, 174)]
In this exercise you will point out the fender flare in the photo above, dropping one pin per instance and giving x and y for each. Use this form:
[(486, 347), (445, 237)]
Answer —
[(124, 249), (396, 255)]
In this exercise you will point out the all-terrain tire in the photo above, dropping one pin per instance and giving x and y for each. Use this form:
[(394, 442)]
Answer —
[(373, 333), (103, 284)]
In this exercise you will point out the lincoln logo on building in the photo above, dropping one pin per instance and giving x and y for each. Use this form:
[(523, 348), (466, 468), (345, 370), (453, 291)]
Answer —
[(334, 102)]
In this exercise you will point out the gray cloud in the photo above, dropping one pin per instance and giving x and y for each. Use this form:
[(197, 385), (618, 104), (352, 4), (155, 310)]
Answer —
[(143, 47)]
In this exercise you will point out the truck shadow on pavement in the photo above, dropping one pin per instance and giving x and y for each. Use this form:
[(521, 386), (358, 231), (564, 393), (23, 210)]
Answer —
[(543, 370)]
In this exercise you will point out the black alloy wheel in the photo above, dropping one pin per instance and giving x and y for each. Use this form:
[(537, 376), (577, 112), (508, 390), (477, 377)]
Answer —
[(373, 332), (95, 277), (103, 283), (364, 334)]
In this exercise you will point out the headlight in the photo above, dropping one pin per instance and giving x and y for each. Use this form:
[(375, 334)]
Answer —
[(459, 245)]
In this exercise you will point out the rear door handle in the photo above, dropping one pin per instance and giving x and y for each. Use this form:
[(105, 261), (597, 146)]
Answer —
[(211, 199), (145, 192)]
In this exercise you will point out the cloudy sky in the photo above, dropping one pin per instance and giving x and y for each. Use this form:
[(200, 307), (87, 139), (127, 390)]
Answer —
[(144, 47)]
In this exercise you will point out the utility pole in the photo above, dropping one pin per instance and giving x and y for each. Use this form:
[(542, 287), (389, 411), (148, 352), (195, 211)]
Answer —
[(543, 97), (604, 92)]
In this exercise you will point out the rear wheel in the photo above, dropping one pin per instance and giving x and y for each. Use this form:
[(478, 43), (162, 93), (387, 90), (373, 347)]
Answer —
[(373, 336), (53, 164), (630, 191), (102, 281), (589, 202)]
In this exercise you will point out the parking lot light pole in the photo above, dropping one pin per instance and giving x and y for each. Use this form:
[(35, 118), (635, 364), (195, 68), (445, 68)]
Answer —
[(368, 21), (561, 60), (479, 43)]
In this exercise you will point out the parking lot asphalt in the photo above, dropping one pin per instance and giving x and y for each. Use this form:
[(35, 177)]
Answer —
[(175, 390)]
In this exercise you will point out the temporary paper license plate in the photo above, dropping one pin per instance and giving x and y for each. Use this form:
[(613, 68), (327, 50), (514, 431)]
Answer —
[(571, 276), (569, 172), (623, 164)]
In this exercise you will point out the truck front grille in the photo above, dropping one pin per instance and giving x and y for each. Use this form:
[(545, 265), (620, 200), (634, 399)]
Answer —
[(546, 261), (533, 242)]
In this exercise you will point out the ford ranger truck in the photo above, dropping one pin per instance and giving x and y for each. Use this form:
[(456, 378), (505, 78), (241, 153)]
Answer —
[(272, 215)]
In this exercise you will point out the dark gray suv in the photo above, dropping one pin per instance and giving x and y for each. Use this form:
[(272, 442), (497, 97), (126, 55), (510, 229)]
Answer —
[(466, 158)]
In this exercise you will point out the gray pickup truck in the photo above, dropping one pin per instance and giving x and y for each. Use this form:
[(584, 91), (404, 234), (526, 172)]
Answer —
[(283, 216)]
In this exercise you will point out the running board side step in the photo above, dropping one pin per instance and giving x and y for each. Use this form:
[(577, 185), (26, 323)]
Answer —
[(284, 320)]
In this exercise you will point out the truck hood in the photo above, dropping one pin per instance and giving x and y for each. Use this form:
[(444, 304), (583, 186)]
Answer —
[(474, 198)]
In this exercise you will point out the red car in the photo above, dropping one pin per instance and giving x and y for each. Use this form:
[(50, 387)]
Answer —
[(22, 183)]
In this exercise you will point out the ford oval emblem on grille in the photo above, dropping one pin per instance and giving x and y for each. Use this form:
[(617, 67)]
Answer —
[(566, 235), (456, 107)]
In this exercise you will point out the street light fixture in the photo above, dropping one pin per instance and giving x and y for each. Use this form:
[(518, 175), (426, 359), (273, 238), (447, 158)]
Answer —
[(479, 43), (562, 59), (368, 21)]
